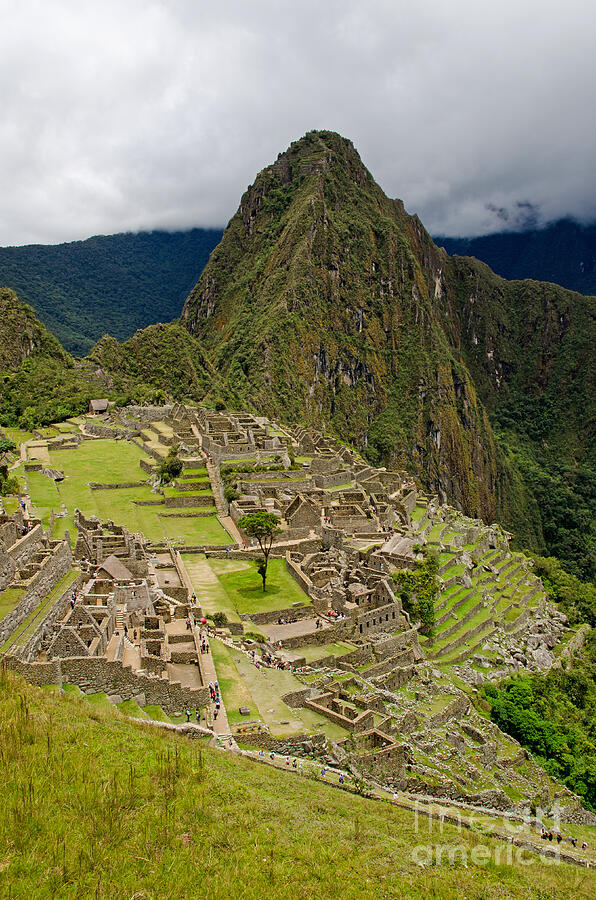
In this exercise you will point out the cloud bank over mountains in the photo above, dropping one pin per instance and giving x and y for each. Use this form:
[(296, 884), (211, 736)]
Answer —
[(147, 114)]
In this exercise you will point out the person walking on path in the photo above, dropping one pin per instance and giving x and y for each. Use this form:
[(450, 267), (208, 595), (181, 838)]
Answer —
[(187, 713)]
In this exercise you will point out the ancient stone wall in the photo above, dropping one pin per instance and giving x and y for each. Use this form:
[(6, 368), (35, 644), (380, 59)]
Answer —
[(300, 745), (99, 486), (94, 674), (333, 480), (271, 617), (59, 609), (52, 569), (298, 575), (405, 658), (338, 632)]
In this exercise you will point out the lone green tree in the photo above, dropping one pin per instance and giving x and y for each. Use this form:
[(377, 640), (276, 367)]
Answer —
[(171, 466), (263, 526)]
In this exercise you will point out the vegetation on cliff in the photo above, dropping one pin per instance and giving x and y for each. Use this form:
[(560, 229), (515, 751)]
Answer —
[(552, 715), (326, 302), (159, 358), (40, 382)]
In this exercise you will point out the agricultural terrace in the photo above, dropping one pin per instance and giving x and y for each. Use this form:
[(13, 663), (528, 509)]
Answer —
[(108, 461)]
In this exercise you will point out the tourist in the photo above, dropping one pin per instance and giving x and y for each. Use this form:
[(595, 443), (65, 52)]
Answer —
[(198, 716), (215, 714), (272, 755), (295, 763), (287, 760), (341, 777), (187, 713), (261, 752), (323, 771)]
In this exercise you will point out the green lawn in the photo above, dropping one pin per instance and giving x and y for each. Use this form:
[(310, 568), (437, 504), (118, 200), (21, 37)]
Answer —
[(233, 690), (243, 585), (18, 435), (210, 591), (111, 462)]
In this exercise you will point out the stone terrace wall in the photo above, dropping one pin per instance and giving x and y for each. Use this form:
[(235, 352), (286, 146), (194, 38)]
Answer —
[(271, 617), (52, 570), (101, 486), (299, 576), (116, 434), (146, 414), (98, 674), (23, 549), (55, 614), (338, 632), (329, 481), (300, 745)]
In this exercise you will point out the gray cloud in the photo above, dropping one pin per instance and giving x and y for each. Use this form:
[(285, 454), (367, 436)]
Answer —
[(147, 114)]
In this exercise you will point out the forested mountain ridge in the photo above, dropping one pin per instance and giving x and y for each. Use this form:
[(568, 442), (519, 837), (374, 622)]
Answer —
[(563, 252), (39, 382), (326, 301), (115, 283)]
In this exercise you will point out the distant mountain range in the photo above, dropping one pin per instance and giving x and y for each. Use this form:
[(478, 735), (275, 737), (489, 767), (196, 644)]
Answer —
[(115, 284), (564, 252), (110, 284)]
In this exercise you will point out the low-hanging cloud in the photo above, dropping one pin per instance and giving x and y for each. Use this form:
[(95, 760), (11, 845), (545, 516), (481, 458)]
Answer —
[(158, 113)]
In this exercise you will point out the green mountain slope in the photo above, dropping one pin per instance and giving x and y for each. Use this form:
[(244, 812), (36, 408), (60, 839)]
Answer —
[(115, 284), (326, 301), (563, 252), (315, 305), (40, 382), (160, 357)]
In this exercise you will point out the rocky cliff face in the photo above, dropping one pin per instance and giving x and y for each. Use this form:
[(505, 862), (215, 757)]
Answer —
[(326, 301)]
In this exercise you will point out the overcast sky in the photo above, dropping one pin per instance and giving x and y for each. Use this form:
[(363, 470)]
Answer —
[(122, 115)]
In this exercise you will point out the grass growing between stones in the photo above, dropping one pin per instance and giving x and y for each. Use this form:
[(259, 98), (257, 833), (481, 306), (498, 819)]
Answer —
[(96, 806), (267, 686), (312, 652), (21, 635), (9, 599), (242, 583)]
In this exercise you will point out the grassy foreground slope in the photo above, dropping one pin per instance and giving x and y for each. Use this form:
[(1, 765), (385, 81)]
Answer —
[(95, 806)]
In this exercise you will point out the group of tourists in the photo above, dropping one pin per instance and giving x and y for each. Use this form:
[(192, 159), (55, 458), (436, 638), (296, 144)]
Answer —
[(286, 620), (215, 698), (558, 837)]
